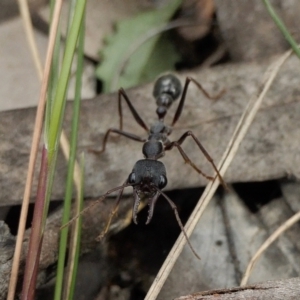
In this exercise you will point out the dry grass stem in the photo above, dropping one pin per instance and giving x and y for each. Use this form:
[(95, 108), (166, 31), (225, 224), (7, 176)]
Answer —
[(65, 146), (25, 14), (237, 137), (33, 153), (272, 238)]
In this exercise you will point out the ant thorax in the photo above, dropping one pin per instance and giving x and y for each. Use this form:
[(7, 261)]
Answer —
[(159, 131), (153, 149)]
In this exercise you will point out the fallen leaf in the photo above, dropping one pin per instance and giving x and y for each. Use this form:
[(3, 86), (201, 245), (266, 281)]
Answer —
[(128, 33), (270, 149), (227, 236)]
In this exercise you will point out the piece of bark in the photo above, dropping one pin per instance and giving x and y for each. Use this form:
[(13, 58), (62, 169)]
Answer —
[(93, 223), (250, 33), (270, 149), (288, 289)]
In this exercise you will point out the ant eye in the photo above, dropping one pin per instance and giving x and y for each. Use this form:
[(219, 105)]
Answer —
[(131, 178), (162, 181)]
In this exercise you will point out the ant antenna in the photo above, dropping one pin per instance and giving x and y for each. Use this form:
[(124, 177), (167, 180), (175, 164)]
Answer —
[(102, 198), (174, 207)]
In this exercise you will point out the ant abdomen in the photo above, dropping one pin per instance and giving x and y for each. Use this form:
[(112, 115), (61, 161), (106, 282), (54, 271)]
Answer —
[(167, 84)]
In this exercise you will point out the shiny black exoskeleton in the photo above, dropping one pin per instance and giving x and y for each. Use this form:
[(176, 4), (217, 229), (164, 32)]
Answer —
[(148, 176)]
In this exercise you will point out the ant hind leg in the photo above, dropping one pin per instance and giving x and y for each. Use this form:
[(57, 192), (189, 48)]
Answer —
[(183, 96), (178, 143)]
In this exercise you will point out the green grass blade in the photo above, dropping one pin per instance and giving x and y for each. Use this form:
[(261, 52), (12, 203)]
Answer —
[(282, 27), (77, 235), (71, 166), (53, 80), (59, 99)]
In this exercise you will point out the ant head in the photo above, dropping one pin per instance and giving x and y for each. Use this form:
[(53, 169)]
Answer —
[(167, 84), (147, 173), (148, 177)]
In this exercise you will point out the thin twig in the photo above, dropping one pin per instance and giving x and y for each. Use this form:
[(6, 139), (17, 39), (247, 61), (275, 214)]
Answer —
[(237, 137)]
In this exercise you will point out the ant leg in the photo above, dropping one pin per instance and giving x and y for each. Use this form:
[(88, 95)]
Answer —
[(174, 207), (182, 99), (135, 114), (120, 132), (112, 213), (187, 159), (102, 198)]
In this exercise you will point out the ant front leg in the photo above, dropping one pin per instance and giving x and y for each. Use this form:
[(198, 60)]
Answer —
[(178, 143), (120, 132), (183, 96)]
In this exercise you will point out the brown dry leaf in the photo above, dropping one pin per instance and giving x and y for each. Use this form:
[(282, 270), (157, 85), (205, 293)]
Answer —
[(227, 236), (270, 150)]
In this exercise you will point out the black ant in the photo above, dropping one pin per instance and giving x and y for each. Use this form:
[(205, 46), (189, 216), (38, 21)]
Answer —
[(149, 176)]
